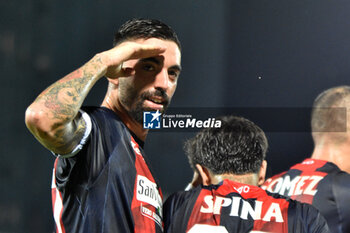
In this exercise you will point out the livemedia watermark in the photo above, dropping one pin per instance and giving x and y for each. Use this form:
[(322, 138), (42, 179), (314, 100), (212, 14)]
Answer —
[(270, 119)]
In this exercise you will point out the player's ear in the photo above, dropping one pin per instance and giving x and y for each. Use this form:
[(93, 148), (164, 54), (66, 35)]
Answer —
[(262, 173), (204, 174)]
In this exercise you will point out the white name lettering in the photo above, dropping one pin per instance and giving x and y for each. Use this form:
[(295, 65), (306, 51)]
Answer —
[(297, 186), (273, 212)]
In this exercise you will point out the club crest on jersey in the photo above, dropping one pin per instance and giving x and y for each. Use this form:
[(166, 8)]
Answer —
[(242, 208), (151, 120)]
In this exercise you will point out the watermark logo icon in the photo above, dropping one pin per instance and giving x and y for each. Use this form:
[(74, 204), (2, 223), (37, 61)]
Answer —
[(151, 120)]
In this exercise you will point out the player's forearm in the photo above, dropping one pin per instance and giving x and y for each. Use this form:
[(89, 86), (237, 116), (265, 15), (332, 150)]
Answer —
[(58, 105)]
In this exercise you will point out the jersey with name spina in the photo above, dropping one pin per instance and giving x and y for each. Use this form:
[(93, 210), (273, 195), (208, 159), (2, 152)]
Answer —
[(321, 184), (234, 207), (107, 187)]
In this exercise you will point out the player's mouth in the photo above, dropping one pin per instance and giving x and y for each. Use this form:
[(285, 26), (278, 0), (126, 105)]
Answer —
[(155, 102)]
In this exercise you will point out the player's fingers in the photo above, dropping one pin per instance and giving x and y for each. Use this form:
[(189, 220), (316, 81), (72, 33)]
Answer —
[(125, 72), (147, 51)]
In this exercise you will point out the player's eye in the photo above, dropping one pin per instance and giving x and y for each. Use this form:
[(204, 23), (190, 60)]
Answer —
[(148, 67), (173, 74)]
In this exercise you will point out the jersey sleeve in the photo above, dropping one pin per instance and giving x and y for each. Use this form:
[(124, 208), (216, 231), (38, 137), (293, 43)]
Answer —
[(84, 164), (312, 219), (169, 208), (177, 210), (82, 142), (341, 191)]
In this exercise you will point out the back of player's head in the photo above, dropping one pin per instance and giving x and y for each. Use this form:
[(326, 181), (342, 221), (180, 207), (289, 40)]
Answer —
[(145, 29), (329, 113), (238, 147)]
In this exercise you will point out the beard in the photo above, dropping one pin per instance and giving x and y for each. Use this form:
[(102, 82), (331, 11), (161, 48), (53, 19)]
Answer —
[(137, 112), (136, 107)]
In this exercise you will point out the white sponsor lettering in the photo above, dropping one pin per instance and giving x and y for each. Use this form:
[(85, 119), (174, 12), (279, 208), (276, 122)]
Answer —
[(151, 215), (297, 186), (147, 192), (273, 213)]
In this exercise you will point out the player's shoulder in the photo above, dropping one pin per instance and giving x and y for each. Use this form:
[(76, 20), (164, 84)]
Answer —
[(301, 208), (96, 111), (341, 177), (178, 201), (340, 185), (104, 119), (180, 197), (336, 178), (309, 216)]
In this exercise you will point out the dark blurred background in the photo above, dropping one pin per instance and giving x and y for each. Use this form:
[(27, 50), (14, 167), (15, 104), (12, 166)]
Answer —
[(253, 53)]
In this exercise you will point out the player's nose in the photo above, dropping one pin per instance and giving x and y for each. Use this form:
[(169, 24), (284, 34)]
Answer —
[(162, 80)]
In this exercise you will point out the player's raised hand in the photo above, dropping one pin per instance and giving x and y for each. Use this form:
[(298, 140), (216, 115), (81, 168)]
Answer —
[(125, 51)]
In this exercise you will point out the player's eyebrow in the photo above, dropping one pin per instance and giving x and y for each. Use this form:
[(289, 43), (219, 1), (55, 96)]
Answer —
[(158, 62), (176, 67), (151, 59)]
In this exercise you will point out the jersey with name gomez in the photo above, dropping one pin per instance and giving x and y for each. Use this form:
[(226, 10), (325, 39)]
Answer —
[(321, 184)]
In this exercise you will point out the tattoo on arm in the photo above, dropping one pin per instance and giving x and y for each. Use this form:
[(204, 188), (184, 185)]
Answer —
[(64, 98), (75, 138), (62, 101)]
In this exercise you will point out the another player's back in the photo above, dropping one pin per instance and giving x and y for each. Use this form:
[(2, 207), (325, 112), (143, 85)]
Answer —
[(236, 207), (321, 184)]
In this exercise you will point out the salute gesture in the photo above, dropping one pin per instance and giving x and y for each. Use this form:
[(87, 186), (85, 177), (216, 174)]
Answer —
[(100, 161), (115, 57)]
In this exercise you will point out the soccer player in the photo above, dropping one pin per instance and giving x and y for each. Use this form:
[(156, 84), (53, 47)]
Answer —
[(324, 180), (230, 163), (101, 179)]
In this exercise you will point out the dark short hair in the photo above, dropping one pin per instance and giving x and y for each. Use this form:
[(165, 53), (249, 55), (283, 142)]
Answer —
[(329, 110), (145, 29), (238, 147)]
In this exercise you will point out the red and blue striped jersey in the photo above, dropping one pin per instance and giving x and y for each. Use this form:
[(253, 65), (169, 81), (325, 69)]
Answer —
[(107, 187), (235, 207), (321, 184)]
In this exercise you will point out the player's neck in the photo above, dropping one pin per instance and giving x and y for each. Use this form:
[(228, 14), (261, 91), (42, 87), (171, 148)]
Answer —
[(251, 179), (132, 125), (337, 154)]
